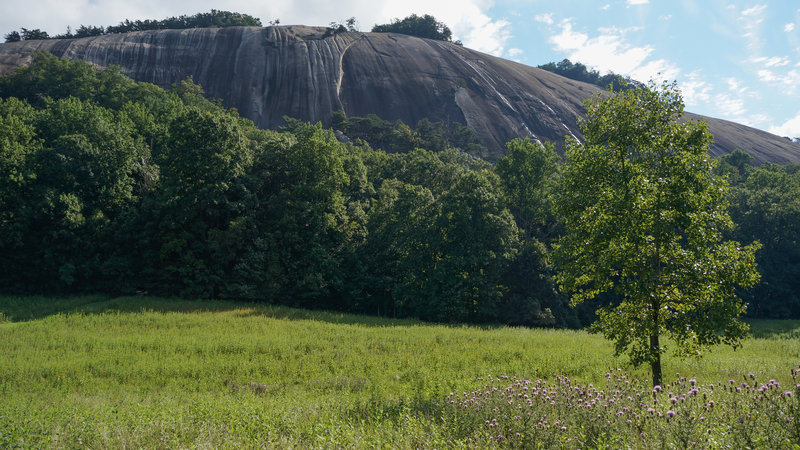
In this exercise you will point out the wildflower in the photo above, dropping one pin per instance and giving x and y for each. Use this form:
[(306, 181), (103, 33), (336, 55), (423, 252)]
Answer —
[(751, 375), (563, 428), (692, 381), (694, 391), (670, 413), (674, 400), (731, 381)]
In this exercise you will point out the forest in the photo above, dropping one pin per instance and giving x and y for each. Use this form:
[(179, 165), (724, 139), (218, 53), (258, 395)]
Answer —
[(110, 185)]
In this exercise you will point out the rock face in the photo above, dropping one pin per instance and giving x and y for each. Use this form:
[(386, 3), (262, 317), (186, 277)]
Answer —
[(299, 71)]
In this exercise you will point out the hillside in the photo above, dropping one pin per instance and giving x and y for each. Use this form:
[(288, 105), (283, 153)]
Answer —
[(308, 73)]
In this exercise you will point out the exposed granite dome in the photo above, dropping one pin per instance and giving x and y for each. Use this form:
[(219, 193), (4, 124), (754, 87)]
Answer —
[(299, 71)]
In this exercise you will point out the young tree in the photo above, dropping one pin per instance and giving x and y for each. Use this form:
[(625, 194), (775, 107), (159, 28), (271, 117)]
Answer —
[(644, 217)]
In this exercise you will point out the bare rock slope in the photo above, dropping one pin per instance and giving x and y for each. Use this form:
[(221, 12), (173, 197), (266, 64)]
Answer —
[(299, 71)]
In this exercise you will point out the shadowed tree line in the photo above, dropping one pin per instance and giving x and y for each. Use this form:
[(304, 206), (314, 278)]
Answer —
[(115, 186)]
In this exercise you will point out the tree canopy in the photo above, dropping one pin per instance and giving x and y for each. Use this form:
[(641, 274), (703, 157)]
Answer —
[(579, 72), (212, 19), (111, 185), (420, 26), (644, 217)]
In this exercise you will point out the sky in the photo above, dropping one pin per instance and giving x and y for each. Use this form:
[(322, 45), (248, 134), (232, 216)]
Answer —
[(732, 59)]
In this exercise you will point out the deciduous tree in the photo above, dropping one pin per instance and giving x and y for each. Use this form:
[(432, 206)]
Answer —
[(644, 217)]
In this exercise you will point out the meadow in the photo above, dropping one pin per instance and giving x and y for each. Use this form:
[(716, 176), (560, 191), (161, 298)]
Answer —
[(94, 371)]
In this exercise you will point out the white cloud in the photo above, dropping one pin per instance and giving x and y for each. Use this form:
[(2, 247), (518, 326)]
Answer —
[(789, 128), (755, 13), (789, 81), (730, 104), (695, 89), (734, 85), (775, 61), (605, 7), (544, 18), (789, 27), (611, 51), (638, 2), (514, 52), (665, 18), (751, 20), (468, 19), (730, 107)]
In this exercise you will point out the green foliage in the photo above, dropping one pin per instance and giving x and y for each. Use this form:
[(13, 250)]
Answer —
[(529, 176), (13, 36), (579, 72), (301, 227), (399, 137), (766, 207), (420, 26), (212, 19), (644, 217)]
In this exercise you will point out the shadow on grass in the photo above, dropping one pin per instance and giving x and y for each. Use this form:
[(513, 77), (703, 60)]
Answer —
[(774, 328), (25, 308)]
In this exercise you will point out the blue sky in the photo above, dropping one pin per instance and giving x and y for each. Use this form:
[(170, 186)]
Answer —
[(733, 59), (736, 60)]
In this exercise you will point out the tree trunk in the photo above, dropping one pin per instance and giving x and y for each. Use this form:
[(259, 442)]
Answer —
[(655, 359)]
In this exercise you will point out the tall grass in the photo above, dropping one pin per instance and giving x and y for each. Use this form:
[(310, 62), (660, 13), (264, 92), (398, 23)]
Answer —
[(143, 371)]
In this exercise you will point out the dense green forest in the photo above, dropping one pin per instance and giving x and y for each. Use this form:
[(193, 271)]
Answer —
[(212, 19), (109, 185)]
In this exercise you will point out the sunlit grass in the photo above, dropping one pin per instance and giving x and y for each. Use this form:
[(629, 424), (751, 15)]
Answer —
[(144, 371)]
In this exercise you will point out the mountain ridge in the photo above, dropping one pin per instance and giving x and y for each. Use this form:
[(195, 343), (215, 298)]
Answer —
[(309, 72)]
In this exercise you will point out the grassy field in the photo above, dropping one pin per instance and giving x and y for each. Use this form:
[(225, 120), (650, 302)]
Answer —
[(151, 372)]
